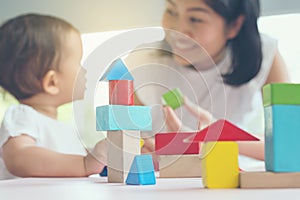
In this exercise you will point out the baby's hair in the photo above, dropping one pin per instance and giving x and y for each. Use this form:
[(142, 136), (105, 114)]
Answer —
[(30, 46)]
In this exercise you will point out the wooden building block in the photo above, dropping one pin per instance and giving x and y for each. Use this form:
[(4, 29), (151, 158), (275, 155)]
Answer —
[(117, 71), (282, 138), (173, 144), (281, 93), (141, 171), (221, 130), (173, 98), (257, 180), (121, 92), (122, 147), (220, 165), (180, 166), (116, 117)]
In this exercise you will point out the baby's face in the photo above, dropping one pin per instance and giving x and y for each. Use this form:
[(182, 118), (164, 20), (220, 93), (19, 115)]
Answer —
[(71, 74)]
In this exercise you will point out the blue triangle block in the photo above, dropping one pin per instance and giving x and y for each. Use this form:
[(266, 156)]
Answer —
[(141, 171), (117, 71)]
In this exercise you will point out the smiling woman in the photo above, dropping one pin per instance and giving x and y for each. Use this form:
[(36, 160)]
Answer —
[(245, 61)]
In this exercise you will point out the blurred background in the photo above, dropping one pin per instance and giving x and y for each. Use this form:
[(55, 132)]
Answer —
[(99, 20), (107, 15)]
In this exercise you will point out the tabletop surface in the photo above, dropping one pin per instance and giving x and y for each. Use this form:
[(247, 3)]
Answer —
[(97, 188)]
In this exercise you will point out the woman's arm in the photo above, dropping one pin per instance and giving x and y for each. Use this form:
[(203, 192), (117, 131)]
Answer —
[(252, 149), (278, 72), (23, 158)]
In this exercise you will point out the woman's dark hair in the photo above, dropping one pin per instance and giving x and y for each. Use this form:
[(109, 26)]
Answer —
[(30, 46), (246, 46)]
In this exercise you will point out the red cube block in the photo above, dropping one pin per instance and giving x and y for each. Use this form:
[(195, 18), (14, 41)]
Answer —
[(121, 92)]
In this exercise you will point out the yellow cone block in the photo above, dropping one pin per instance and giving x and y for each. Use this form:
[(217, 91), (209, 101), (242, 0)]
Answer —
[(220, 165)]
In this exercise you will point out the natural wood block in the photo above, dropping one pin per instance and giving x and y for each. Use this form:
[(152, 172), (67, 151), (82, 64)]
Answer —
[(123, 146), (179, 166), (269, 180)]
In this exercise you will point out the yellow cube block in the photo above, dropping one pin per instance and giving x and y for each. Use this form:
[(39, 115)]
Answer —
[(220, 165)]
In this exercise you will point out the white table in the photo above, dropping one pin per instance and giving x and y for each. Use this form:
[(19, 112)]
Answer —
[(97, 188)]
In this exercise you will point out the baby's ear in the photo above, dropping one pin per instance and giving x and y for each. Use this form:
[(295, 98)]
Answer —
[(50, 83)]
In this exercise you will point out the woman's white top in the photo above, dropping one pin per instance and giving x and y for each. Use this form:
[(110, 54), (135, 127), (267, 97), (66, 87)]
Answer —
[(240, 105), (47, 132)]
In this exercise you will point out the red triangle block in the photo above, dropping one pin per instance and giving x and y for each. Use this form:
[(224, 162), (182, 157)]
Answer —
[(221, 130)]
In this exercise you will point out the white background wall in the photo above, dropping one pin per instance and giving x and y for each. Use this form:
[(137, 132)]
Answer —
[(91, 15)]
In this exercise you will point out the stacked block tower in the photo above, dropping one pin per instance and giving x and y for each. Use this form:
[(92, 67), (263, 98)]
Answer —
[(282, 136), (220, 153), (123, 122)]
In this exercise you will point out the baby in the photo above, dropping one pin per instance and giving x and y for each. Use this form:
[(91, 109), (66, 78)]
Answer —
[(40, 66)]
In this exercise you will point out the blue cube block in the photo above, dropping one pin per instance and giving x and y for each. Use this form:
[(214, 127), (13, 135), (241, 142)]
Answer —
[(282, 136), (141, 171), (116, 117)]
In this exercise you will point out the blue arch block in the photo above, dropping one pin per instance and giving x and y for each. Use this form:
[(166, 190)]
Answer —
[(141, 171), (117, 117), (282, 149)]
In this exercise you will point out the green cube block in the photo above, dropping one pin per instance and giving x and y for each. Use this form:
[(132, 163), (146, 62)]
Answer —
[(173, 98), (281, 93)]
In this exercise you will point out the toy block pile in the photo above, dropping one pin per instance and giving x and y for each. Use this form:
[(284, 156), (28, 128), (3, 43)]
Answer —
[(219, 153), (123, 122), (179, 152), (282, 136)]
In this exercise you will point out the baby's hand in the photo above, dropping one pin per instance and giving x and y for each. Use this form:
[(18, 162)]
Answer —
[(96, 159)]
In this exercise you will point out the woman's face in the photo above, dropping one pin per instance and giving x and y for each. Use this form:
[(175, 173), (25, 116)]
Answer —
[(199, 22)]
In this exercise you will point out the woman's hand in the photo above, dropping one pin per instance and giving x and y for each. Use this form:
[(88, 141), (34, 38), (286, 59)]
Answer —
[(174, 124)]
